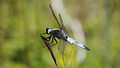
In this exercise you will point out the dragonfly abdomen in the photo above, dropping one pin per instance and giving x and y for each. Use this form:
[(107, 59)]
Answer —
[(70, 40)]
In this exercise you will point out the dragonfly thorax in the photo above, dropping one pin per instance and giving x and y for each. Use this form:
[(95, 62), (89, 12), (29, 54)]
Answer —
[(59, 34)]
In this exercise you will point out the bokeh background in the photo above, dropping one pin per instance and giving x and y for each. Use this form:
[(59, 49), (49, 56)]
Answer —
[(22, 21)]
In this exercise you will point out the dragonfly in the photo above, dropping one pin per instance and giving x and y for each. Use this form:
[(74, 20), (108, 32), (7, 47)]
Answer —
[(61, 34)]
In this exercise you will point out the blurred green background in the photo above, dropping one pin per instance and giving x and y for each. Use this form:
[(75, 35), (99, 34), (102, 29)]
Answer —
[(22, 21)]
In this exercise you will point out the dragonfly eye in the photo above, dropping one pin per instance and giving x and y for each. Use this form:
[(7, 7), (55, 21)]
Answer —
[(48, 30)]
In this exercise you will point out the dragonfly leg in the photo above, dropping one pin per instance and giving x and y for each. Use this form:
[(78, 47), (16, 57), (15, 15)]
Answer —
[(52, 40), (46, 38), (55, 41), (44, 33)]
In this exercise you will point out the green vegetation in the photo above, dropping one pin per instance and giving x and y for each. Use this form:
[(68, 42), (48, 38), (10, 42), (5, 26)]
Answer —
[(22, 22)]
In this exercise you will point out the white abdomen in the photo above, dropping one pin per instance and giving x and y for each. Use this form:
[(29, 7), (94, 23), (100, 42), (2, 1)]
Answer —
[(70, 40)]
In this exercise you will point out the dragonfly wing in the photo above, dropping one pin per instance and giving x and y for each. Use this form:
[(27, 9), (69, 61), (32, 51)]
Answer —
[(62, 25), (61, 46), (65, 50), (55, 17)]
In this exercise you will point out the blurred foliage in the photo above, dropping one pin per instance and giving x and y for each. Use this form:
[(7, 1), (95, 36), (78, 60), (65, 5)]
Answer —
[(22, 21)]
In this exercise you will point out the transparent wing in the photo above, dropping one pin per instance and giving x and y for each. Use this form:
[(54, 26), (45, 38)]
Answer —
[(66, 51), (62, 25), (61, 46), (55, 17)]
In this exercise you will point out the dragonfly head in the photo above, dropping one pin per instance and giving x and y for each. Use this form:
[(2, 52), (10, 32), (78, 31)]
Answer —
[(48, 30)]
